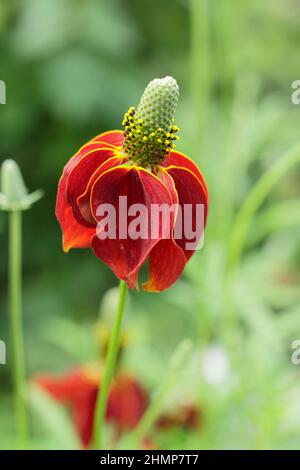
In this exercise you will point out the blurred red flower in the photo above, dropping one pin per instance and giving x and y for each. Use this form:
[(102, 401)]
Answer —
[(127, 403), (79, 388)]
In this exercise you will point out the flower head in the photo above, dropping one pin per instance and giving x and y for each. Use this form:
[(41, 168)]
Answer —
[(131, 197), (78, 389)]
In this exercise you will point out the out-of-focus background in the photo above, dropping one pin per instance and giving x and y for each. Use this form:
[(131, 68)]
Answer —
[(72, 69)]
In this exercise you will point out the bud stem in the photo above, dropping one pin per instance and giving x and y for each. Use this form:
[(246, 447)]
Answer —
[(15, 297)]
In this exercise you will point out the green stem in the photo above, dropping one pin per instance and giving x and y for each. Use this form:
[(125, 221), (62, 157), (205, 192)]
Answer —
[(239, 233), (200, 90), (15, 296), (178, 361), (200, 66), (109, 369), (254, 200)]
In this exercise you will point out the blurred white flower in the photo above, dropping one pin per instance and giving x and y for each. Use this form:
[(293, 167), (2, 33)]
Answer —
[(215, 365)]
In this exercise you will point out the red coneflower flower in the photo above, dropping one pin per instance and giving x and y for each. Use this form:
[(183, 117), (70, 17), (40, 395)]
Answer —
[(78, 389), (139, 165)]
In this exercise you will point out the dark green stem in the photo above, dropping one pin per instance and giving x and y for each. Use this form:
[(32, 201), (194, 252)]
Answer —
[(99, 419)]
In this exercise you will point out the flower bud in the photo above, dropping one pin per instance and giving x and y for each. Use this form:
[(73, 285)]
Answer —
[(14, 194)]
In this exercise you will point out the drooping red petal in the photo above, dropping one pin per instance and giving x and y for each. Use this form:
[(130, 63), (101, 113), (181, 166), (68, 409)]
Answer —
[(82, 172), (115, 138), (166, 259), (75, 235), (83, 410), (192, 198), (125, 255), (166, 263), (61, 387), (126, 403), (180, 160)]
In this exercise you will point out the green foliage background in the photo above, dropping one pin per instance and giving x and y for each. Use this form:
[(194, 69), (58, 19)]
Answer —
[(72, 68)]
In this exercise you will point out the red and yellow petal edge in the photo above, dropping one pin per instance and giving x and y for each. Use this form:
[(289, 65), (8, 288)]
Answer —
[(84, 200), (166, 263), (167, 259), (190, 191), (162, 271), (115, 138), (83, 168), (179, 159), (83, 171), (125, 256), (74, 234)]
